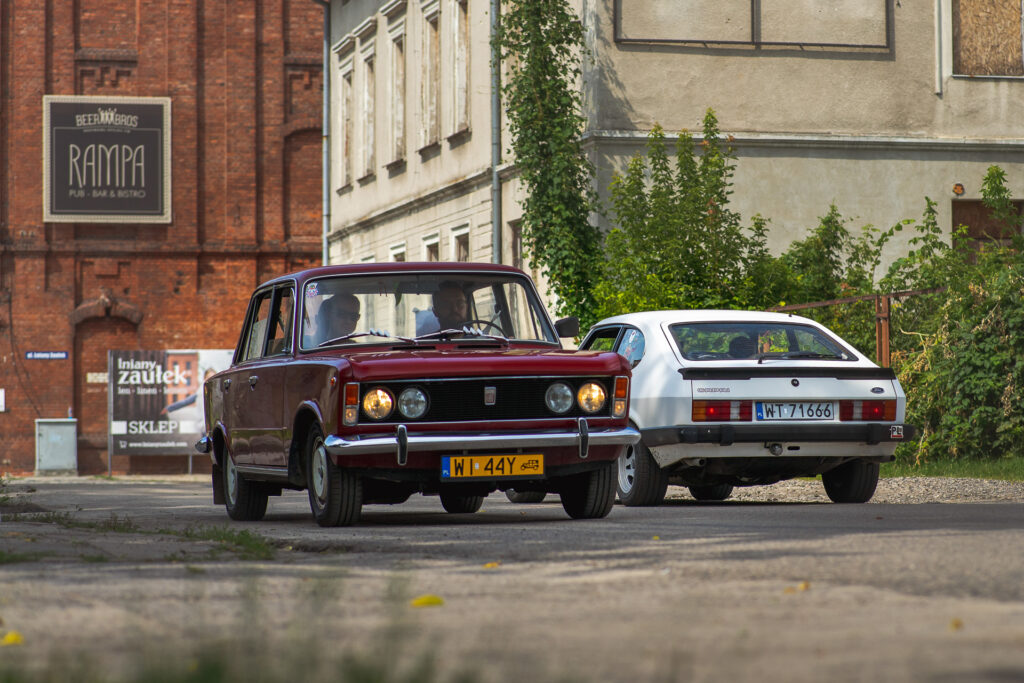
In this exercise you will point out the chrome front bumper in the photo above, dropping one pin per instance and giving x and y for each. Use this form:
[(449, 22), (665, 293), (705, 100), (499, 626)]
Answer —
[(402, 443)]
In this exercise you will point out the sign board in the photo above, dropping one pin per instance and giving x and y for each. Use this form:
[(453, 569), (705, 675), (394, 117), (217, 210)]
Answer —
[(156, 399), (106, 159), (46, 355)]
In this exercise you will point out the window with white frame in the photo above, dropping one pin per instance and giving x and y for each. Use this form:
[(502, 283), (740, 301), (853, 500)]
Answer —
[(460, 244), (396, 252), (397, 33), (460, 70), (432, 247), (346, 107), (369, 108), (431, 79)]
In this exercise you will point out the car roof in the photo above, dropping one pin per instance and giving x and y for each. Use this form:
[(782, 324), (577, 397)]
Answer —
[(394, 267), (655, 318)]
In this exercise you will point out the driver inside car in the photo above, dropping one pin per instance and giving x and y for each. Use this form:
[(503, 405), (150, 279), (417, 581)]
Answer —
[(449, 307), (336, 317)]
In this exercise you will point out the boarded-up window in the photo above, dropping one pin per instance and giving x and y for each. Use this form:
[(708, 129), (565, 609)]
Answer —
[(369, 112), (398, 97), (347, 106), (987, 38), (979, 220)]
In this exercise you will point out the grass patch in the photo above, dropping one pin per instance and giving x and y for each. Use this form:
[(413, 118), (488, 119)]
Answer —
[(15, 558), (245, 544), (1004, 469)]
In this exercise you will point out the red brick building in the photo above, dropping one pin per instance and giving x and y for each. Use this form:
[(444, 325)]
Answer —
[(244, 81)]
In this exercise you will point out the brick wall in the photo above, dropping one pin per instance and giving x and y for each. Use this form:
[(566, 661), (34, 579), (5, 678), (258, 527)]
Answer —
[(244, 79)]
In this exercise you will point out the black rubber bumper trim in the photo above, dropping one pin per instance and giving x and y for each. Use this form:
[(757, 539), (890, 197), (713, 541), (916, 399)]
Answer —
[(728, 434), (750, 372)]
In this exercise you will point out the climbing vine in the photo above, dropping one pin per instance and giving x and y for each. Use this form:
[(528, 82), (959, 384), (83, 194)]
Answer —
[(541, 44)]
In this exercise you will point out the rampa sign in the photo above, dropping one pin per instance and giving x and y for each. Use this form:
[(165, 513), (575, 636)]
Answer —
[(106, 159)]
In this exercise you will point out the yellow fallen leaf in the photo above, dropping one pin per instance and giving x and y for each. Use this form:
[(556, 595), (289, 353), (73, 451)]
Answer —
[(12, 638), (655, 538), (955, 624), (789, 590), (427, 600), (492, 565), (804, 585)]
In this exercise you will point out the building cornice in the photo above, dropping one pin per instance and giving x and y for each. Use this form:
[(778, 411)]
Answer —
[(441, 194), (825, 141)]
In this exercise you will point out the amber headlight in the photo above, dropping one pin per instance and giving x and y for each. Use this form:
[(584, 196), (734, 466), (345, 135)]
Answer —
[(412, 403), (378, 403), (558, 398), (591, 397)]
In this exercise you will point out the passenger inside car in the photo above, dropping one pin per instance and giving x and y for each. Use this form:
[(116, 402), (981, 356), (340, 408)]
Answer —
[(742, 347)]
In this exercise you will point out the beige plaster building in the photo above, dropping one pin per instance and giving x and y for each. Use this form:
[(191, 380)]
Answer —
[(871, 104)]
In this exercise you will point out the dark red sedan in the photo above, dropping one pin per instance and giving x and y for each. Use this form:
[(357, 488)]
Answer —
[(369, 383)]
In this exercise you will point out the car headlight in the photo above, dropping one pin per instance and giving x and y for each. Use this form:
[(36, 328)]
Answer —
[(558, 398), (591, 397), (412, 403), (377, 403)]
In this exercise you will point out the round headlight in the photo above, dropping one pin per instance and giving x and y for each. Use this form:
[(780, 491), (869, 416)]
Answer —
[(558, 397), (412, 403), (591, 397), (377, 403)]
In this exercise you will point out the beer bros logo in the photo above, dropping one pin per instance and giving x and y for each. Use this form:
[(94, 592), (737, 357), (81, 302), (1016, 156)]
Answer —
[(108, 118)]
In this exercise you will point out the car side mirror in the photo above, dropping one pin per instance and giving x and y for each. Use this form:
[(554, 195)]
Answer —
[(568, 327)]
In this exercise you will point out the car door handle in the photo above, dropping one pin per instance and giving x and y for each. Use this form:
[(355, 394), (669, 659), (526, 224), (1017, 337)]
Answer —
[(252, 380), (227, 384)]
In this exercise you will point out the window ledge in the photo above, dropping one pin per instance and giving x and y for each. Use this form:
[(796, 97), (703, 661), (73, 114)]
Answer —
[(368, 177), (395, 166), (344, 189), (459, 136), (429, 148)]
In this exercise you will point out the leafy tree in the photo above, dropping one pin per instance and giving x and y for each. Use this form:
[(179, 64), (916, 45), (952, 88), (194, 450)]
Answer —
[(677, 243), (541, 42)]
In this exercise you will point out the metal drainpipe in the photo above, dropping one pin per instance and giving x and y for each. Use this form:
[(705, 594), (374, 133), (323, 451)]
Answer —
[(325, 186), (495, 133)]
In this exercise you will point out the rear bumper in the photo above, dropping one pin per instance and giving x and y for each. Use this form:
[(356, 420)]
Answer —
[(728, 434)]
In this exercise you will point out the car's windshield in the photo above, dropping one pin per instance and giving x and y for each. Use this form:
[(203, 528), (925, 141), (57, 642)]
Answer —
[(756, 341), (361, 309)]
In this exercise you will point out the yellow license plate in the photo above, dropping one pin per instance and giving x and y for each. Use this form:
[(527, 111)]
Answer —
[(492, 466)]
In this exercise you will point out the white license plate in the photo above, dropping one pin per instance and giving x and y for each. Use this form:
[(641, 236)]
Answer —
[(794, 410)]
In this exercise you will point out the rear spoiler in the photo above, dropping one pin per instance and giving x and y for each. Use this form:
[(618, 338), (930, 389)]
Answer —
[(770, 371)]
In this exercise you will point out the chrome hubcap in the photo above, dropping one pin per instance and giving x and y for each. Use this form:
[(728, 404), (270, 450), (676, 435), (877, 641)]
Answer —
[(627, 470), (232, 478), (319, 469)]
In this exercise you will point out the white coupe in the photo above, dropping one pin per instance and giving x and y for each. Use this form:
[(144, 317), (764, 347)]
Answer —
[(741, 398)]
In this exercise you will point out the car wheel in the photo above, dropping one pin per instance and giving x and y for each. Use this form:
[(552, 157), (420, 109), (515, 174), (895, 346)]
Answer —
[(335, 495), (851, 482), (525, 496), (245, 501), (461, 504), (589, 495), (716, 492), (640, 482)]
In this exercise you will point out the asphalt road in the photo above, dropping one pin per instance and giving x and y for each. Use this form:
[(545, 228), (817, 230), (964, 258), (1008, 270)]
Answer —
[(690, 592)]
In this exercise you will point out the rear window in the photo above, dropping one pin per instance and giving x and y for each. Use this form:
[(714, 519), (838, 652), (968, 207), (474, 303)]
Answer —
[(756, 341)]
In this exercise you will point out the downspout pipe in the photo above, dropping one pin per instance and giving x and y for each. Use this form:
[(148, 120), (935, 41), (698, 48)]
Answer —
[(325, 183), (495, 133)]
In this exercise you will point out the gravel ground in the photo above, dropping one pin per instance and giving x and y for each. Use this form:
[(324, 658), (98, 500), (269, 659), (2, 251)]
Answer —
[(910, 490)]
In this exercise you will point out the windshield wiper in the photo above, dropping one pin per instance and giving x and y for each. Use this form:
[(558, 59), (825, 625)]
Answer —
[(466, 330), (787, 355), (370, 333)]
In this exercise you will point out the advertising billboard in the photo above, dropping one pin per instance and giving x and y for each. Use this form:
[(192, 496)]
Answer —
[(156, 399), (106, 159)]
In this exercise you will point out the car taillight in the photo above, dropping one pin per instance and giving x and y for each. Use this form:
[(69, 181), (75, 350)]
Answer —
[(867, 411), (722, 411), (621, 397), (350, 407)]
